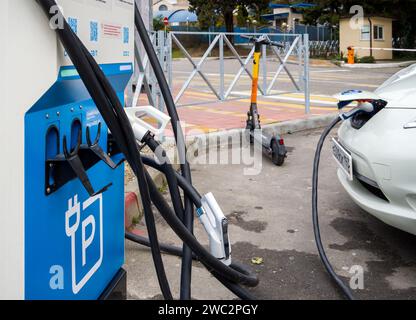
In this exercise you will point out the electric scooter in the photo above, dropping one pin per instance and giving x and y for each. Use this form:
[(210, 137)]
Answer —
[(273, 144)]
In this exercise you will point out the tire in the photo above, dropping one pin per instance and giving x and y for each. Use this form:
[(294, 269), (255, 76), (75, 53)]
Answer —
[(277, 158)]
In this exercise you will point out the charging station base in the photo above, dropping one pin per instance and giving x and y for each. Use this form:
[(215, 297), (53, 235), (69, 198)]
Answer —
[(117, 289)]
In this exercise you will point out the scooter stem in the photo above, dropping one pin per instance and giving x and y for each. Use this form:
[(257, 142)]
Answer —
[(256, 71)]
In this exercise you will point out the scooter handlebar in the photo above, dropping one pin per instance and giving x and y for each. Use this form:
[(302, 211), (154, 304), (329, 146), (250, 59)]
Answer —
[(266, 42), (250, 38), (276, 44)]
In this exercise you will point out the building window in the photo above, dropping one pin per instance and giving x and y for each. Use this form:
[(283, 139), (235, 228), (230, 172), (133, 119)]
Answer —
[(365, 33), (163, 8), (378, 33)]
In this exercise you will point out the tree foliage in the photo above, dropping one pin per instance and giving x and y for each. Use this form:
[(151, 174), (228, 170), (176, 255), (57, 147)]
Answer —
[(212, 12), (158, 23)]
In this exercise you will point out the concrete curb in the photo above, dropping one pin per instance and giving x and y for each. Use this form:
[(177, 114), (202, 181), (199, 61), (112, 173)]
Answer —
[(133, 210), (196, 144), (378, 65), (133, 207)]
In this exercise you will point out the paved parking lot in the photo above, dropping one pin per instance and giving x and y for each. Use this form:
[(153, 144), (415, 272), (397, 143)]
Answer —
[(270, 216)]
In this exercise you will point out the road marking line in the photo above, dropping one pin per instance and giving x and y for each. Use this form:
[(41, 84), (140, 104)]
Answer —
[(237, 114), (276, 105), (319, 99), (313, 97)]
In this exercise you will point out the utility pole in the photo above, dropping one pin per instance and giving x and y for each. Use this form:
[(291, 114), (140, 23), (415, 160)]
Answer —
[(371, 36), (150, 15), (146, 11)]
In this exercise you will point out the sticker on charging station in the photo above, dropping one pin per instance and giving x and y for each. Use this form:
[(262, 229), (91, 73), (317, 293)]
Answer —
[(110, 30), (84, 228)]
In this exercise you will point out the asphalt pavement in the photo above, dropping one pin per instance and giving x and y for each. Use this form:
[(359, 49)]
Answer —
[(270, 217)]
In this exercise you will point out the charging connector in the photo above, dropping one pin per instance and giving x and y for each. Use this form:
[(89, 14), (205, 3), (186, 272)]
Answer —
[(363, 107), (140, 127), (216, 226)]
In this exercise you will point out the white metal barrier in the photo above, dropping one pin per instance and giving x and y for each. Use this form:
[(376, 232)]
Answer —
[(296, 45)]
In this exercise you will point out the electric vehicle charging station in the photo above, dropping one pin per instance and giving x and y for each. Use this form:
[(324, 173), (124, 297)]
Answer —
[(62, 219), (67, 241), (62, 224), (63, 235)]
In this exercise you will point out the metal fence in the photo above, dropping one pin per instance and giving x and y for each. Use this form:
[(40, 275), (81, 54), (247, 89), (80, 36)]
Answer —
[(324, 48), (316, 33), (295, 52), (144, 80)]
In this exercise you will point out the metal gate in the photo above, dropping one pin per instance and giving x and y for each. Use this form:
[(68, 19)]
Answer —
[(296, 49)]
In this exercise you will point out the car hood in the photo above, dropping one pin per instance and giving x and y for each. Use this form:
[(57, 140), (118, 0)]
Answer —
[(400, 90)]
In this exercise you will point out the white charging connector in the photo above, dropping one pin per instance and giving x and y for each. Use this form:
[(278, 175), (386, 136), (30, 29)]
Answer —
[(141, 127), (216, 226), (364, 101), (366, 107)]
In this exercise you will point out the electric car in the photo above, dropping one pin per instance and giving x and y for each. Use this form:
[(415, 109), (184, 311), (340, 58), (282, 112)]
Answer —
[(376, 152)]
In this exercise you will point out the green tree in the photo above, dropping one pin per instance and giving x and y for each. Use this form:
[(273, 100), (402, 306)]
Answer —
[(158, 23), (212, 12)]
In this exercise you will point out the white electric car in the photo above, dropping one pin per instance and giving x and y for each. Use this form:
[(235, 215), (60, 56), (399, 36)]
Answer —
[(377, 152)]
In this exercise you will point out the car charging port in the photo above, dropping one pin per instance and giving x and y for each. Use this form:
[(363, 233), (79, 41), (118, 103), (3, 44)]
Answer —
[(360, 119)]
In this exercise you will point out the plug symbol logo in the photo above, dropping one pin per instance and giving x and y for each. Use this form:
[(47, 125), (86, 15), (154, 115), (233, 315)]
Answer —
[(84, 226)]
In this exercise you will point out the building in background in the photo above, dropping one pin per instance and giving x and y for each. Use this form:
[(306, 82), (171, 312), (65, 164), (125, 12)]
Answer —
[(170, 5), (286, 16), (376, 32), (177, 18), (176, 11)]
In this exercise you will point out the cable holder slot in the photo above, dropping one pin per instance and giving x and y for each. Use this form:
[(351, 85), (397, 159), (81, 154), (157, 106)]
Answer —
[(97, 150), (74, 163)]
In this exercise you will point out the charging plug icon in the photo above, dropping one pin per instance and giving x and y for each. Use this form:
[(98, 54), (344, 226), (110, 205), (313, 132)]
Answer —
[(83, 239)]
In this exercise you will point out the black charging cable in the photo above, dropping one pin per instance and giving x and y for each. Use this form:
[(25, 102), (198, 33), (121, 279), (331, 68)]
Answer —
[(186, 272), (315, 214)]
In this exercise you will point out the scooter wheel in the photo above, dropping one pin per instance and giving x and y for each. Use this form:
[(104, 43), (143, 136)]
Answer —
[(277, 158)]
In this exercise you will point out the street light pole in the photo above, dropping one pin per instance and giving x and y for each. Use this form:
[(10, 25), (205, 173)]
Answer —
[(151, 15)]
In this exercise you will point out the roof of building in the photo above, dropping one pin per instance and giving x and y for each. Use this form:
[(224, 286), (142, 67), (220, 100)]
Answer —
[(177, 16), (301, 5), (274, 16)]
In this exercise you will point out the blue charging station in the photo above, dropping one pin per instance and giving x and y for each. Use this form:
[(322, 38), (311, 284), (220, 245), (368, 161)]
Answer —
[(65, 227), (72, 237)]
